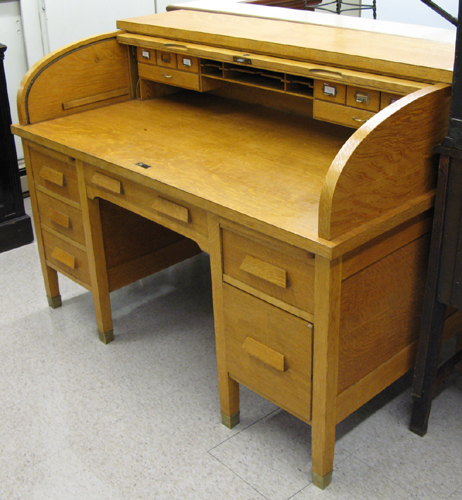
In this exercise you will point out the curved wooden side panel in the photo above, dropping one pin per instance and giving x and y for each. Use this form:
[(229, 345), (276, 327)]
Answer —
[(387, 162), (77, 77)]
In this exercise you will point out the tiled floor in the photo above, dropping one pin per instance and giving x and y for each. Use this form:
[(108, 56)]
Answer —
[(138, 419)]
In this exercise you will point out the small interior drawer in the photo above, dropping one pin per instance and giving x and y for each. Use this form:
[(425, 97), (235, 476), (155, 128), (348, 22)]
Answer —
[(363, 98), (343, 115), (279, 270), (188, 63), (166, 59), (169, 76), (330, 91), (59, 177), (61, 217), (66, 257), (147, 56), (269, 351)]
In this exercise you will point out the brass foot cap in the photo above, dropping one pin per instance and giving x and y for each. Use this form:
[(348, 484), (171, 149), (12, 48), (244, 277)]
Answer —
[(55, 302), (106, 337), (230, 421), (321, 481)]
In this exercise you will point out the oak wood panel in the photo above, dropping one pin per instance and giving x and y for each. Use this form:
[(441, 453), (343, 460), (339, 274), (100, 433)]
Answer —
[(390, 241), (278, 331), (387, 54), (97, 66), (386, 163), (390, 293)]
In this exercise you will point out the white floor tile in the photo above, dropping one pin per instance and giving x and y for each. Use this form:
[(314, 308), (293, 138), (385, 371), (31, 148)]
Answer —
[(139, 418)]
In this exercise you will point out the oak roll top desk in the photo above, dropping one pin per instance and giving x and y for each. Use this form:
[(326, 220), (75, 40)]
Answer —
[(298, 155)]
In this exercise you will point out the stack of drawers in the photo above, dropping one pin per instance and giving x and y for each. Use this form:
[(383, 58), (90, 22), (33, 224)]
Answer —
[(268, 304), (60, 216), (347, 104)]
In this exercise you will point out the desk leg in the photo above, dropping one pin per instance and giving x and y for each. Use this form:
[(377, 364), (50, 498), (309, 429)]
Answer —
[(96, 262), (229, 388), (325, 368)]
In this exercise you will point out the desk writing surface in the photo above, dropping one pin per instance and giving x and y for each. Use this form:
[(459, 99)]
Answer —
[(263, 163)]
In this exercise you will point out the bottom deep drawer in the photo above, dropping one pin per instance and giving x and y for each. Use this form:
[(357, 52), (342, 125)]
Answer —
[(269, 351), (66, 257)]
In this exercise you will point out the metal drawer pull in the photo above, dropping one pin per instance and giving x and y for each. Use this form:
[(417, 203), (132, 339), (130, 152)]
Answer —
[(167, 76), (171, 209), (59, 218), (65, 258), (363, 97), (265, 270), (360, 120), (108, 183), (264, 354), (329, 90), (53, 176)]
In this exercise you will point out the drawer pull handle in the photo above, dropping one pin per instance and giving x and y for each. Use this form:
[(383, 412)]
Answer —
[(327, 72), (175, 46), (363, 97), (264, 354), (167, 76), (113, 185), (53, 176), (65, 258), (360, 120), (59, 218), (264, 270), (171, 209)]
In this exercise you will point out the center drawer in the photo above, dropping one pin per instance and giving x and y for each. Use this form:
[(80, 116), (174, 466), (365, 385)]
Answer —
[(269, 351), (274, 268), (174, 214)]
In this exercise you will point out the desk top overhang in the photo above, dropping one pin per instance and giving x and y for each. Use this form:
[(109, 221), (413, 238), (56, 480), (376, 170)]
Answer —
[(383, 53)]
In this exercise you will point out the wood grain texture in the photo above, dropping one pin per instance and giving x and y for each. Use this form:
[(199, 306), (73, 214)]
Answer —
[(265, 354), (325, 363), (188, 137), (386, 163), (387, 54), (270, 268), (390, 292), (76, 77), (227, 386), (281, 333), (264, 270)]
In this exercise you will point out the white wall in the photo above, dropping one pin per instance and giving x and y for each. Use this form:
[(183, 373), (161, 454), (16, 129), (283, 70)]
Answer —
[(414, 12), (71, 20)]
